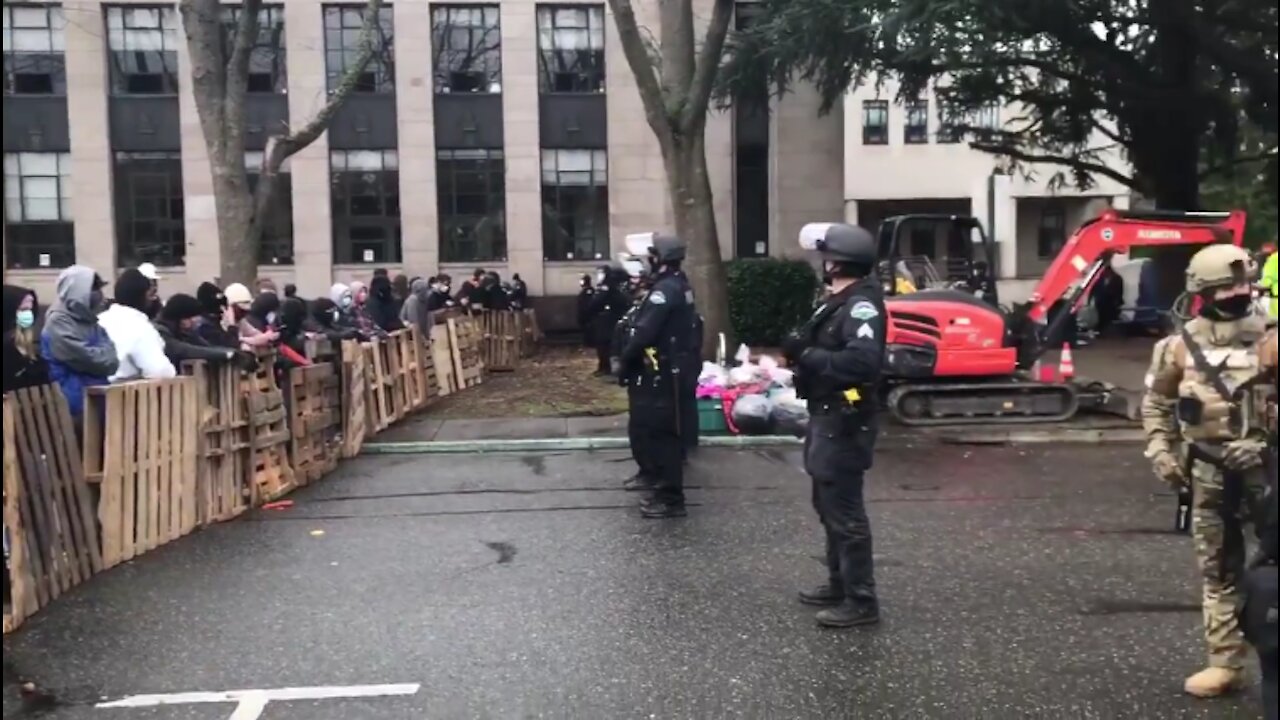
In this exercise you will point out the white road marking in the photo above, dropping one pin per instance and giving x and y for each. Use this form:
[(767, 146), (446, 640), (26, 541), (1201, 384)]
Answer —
[(250, 703)]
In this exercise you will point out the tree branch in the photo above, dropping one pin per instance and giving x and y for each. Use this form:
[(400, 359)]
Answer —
[(704, 75), (1062, 161), (637, 54), (245, 39), (1238, 161)]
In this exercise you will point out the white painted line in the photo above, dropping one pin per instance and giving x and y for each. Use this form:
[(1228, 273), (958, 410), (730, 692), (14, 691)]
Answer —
[(251, 703), (251, 706)]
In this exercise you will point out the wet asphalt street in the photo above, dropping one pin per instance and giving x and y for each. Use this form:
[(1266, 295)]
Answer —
[(1015, 582)]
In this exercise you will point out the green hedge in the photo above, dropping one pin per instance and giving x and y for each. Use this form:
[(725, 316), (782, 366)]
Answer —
[(769, 298)]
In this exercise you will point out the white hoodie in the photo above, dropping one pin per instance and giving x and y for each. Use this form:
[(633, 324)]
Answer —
[(138, 345)]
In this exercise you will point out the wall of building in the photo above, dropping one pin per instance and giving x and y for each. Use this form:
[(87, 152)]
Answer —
[(804, 167)]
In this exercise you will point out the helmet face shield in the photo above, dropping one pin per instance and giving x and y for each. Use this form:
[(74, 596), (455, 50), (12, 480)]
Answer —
[(640, 244), (813, 236)]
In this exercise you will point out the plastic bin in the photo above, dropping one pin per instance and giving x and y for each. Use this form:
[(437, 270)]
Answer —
[(711, 417)]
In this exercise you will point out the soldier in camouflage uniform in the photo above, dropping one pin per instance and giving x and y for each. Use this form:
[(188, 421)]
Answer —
[(1204, 416)]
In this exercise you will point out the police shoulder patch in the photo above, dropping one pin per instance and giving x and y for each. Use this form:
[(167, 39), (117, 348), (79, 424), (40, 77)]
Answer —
[(657, 298), (863, 310)]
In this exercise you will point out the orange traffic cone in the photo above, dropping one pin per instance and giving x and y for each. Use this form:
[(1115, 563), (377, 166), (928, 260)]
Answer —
[(1066, 365)]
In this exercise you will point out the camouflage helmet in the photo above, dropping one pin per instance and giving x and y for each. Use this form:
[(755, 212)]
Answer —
[(1219, 266)]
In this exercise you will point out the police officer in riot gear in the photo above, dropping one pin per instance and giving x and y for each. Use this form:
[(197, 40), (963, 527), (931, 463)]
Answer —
[(655, 357), (838, 356)]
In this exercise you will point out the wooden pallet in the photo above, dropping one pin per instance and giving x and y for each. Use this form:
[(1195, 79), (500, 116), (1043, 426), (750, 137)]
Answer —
[(315, 421), (530, 332), (442, 358), (426, 365), (269, 435), (355, 414), (468, 365), (150, 451), (48, 505), (500, 340), (225, 451), (379, 386)]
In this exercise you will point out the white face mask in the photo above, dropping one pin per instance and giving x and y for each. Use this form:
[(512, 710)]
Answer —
[(599, 278), (271, 318)]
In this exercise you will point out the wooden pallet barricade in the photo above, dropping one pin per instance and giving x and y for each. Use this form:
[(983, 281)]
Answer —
[(48, 505), (425, 365), (464, 341), (442, 358), (529, 332), (315, 421), (500, 340), (149, 435), (355, 413), (269, 435), (225, 448)]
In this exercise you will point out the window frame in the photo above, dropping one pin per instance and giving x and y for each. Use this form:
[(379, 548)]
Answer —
[(915, 127), (273, 246), (382, 66), (596, 197), (873, 134), (495, 194), (174, 224), (58, 234), (949, 122), (442, 73), (589, 73), (387, 220), (1048, 248), (55, 30), (270, 17), (118, 78)]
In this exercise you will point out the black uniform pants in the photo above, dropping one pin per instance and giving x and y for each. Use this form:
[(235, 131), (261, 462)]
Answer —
[(637, 436), (837, 451), (1262, 587), (689, 412), (656, 419)]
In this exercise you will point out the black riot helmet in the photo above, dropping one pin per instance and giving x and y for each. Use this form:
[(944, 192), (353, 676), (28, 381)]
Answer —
[(659, 248), (849, 249)]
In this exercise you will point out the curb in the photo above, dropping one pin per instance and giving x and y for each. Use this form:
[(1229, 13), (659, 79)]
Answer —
[(581, 444)]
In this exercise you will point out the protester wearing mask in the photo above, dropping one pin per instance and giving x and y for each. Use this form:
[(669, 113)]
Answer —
[(152, 275), (359, 312), (470, 295), (519, 293), (79, 352), (262, 313), (216, 324), (139, 347), (178, 325), (494, 292), (23, 366), (440, 297), (329, 321), (292, 323), (240, 300), (381, 305), (400, 289)]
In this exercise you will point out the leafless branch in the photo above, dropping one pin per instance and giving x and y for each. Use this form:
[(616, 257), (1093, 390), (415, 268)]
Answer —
[(637, 54), (704, 75), (1060, 160)]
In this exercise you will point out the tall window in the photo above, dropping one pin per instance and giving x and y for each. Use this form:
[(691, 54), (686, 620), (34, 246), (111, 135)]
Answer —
[(875, 122), (366, 205), (468, 44), (950, 120), (916, 129), (37, 210), (987, 117), (571, 48), (575, 204), (342, 26), (267, 59), (33, 50), (276, 247), (143, 45), (1052, 233), (472, 205), (149, 209)]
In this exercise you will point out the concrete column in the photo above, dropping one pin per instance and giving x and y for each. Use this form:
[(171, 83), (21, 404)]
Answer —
[(312, 226), (1006, 215), (638, 200), (521, 142), (204, 256), (806, 164), (415, 122), (88, 86)]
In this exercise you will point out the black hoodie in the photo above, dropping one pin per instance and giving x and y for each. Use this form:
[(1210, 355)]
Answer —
[(20, 371), (261, 312), (382, 306)]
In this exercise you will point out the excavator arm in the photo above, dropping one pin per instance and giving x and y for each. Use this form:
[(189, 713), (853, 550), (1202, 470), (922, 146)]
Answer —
[(1079, 264)]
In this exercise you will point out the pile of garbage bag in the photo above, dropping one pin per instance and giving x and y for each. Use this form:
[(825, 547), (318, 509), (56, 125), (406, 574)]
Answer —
[(759, 397)]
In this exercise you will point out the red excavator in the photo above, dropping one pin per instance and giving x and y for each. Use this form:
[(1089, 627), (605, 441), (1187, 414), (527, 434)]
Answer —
[(955, 356)]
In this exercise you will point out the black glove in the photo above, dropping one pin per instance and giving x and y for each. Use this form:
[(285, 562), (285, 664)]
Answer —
[(793, 346)]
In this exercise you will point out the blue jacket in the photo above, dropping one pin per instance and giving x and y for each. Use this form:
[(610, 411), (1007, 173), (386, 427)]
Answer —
[(77, 349)]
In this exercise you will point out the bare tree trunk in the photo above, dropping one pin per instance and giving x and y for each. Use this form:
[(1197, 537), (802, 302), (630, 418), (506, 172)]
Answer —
[(219, 82), (676, 98)]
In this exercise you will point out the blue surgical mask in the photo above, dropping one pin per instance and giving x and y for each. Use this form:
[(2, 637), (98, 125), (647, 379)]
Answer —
[(26, 319), (346, 301)]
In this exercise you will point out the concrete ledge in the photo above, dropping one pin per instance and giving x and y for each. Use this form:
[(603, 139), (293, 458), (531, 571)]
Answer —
[(581, 444)]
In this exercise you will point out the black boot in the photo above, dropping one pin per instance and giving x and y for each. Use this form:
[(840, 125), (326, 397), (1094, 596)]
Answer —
[(849, 613), (637, 483), (657, 510), (827, 595)]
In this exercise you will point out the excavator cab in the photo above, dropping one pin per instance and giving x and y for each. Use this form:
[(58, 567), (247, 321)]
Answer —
[(937, 252)]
